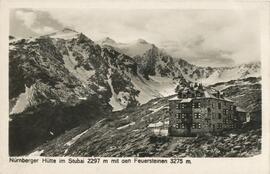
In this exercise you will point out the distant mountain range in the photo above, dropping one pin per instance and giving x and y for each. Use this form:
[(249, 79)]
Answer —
[(206, 75), (59, 80)]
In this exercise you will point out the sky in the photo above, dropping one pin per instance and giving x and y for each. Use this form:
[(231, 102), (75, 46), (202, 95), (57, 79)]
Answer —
[(202, 37)]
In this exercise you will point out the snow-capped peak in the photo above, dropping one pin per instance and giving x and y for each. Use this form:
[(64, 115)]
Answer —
[(66, 33)]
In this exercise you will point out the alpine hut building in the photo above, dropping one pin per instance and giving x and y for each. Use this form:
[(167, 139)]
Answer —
[(198, 110)]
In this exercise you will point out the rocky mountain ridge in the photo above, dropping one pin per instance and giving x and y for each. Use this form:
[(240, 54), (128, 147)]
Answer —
[(191, 72)]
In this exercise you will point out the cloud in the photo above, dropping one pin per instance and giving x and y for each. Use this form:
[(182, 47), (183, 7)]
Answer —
[(43, 30), (31, 20), (212, 36), (28, 17)]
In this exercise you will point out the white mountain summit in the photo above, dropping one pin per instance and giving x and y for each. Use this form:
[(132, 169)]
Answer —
[(66, 33)]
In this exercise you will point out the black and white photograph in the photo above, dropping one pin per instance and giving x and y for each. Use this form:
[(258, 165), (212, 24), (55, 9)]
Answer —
[(116, 82)]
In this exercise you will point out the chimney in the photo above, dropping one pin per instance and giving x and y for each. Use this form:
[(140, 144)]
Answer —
[(218, 94), (221, 95), (200, 86)]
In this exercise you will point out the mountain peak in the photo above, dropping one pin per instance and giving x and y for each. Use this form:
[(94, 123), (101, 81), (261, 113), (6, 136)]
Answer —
[(107, 40), (68, 30), (141, 41), (65, 33)]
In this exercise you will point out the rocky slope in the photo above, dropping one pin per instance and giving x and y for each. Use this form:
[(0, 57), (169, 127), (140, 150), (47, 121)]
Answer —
[(58, 79), (212, 75), (246, 92), (142, 133)]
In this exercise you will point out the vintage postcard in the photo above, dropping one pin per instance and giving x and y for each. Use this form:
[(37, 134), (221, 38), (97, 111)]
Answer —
[(113, 86)]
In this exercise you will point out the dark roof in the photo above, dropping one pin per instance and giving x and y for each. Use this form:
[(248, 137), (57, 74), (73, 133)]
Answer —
[(207, 92)]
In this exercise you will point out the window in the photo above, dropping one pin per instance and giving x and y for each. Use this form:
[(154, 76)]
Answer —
[(208, 109), (219, 115), (219, 125), (182, 126), (196, 105), (178, 106), (225, 121), (219, 105), (197, 115), (183, 105), (183, 116), (178, 115), (196, 126)]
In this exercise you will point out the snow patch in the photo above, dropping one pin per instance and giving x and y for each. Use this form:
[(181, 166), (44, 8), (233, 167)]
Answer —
[(155, 87), (125, 118), (36, 153), (12, 47), (114, 101), (126, 126), (158, 124), (74, 139), (101, 88), (228, 74), (161, 132), (79, 72), (82, 98), (156, 109), (22, 101), (100, 121)]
